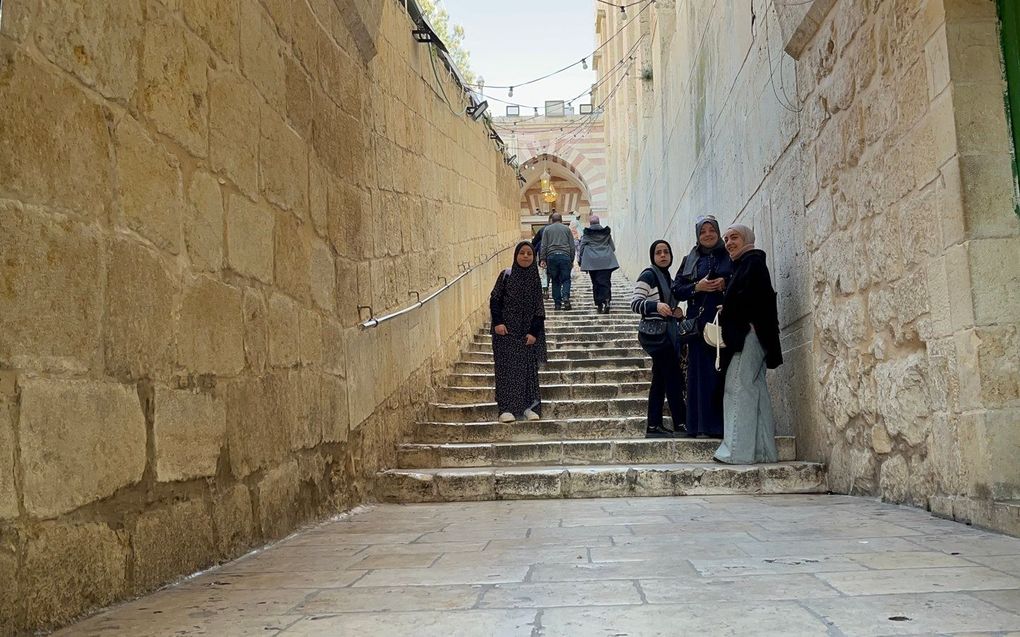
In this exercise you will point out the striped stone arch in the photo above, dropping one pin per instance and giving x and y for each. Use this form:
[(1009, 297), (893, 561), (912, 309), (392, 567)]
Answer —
[(585, 159)]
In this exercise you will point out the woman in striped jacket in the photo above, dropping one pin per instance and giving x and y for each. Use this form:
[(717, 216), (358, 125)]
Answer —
[(655, 303)]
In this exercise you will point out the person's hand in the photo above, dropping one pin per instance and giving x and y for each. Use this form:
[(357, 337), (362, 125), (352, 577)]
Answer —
[(501, 329), (703, 285), (718, 285), (678, 313), (530, 340), (664, 310), (541, 264)]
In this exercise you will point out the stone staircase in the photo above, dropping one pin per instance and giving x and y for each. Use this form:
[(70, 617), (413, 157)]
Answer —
[(590, 442)]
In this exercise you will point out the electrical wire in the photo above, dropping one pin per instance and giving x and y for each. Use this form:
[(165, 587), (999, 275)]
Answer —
[(439, 82), (570, 66), (626, 6), (786, 103)]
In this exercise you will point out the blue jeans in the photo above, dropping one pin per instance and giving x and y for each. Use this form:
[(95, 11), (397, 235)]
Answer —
[(559, 267)]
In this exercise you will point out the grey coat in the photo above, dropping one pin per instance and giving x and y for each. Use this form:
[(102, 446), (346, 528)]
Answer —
[(597, 250)]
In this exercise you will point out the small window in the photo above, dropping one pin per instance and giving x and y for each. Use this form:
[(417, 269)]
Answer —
[(513, 111), (586, 109)]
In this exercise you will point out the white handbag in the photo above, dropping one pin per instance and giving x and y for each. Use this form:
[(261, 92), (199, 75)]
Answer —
[(713, 336)]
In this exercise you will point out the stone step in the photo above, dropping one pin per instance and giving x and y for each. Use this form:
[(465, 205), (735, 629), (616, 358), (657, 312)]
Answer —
[(597, 481), (613, 331), (553, 409), (630, 320), (557, 346), (605, 428), (564, 354), (486, 340), (568, 452), (547, 378), (467, 395), (560, 365)]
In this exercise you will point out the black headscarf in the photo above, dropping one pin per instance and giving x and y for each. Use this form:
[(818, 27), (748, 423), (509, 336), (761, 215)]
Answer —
[(698, 251), (518, 297), (525, 283), (663, 294)]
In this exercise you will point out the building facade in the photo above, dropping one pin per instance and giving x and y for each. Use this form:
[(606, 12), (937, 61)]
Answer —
[(868, 144)]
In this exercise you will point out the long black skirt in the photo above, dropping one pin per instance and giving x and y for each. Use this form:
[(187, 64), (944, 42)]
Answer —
[(516, 366), (704, 395)]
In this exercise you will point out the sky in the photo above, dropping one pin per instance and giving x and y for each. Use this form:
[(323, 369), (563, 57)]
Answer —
[(513, 41)]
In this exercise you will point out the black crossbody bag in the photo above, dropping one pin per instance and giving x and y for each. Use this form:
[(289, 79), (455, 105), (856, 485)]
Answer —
[(659, 335)]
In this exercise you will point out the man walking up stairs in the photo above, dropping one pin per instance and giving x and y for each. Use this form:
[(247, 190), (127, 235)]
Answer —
[(590, 442)]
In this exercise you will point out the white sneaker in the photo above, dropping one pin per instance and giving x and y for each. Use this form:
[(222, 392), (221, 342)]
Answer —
[(530, 415), (506, 416)]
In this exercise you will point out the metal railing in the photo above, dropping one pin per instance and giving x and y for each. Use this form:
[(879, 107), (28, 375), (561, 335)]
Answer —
[(374, 321)]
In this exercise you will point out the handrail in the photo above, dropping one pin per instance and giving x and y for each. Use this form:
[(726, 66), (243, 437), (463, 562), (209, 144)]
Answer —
[(374, 322)]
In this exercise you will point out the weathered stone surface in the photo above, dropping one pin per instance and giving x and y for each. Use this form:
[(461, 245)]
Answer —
[(233, 520), (250, 239), (149, 180), (291, 255), (80, 442), (211, 328), (70, 569), (256, 330), (189, 430), (995, 275), (140, 299), (283, 164), (203, 225), (174, 89), (310, 325), (322, 275), (259, 423), (171, 541), (50, 299), (262, 54), (278, 500), (299, 98), (903, 397), (216, 22), (284, 331), (233, 115), (10, 594), (98, 44), (8, 495), (335, 418), (56, 143)]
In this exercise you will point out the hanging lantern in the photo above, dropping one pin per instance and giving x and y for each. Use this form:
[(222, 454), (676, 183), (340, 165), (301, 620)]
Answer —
[(549, 194)]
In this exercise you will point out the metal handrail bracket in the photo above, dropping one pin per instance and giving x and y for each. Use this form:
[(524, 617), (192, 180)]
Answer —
[(376, 321)]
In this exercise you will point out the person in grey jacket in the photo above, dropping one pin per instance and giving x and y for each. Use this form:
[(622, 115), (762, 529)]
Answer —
[(558, 257), (597, 256)]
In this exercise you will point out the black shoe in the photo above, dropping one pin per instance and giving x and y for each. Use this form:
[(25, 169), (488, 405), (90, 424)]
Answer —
[(556, 307), (605, 308), (567, 305), (658, 432), (683, 433), (599, 309)]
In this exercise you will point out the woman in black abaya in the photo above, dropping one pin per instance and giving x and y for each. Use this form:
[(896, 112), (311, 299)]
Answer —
[(518, 336)]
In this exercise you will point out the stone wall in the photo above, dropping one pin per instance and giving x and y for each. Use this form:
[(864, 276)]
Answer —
[(195, 198), (875, 168)]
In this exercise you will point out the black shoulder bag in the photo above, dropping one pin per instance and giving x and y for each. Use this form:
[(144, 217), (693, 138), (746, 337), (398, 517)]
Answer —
[(659, 335)]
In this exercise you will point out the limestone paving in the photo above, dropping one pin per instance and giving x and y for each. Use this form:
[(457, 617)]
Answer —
[(626, 566), (590, 442)]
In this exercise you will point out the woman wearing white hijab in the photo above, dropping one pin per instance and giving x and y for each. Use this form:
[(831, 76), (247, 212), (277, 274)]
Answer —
[(750, 328)]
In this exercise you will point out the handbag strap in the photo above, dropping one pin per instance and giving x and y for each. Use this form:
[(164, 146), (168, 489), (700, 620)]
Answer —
[(718, 344), (664, 285)]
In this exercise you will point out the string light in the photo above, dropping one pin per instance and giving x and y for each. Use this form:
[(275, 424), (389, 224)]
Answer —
[(584, 63)]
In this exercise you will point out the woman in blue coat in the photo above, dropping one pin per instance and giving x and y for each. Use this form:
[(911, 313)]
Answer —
[(701, 282)]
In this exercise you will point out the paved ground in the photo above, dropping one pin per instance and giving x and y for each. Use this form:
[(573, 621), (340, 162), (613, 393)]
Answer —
[(726, 565)]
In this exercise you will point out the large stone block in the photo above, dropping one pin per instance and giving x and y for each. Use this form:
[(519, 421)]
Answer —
[(339, 139), (70, 569), (283, 164), (140, 297), (299, 98), (10, 594), (149, 185), (262, 54), (189, 430), (174, 90), (50, 300), (233, 520), (80, 441), (203, 226), (170, 542), (218, 23), (334, 356), (259, 422), (336, 418), (904, 397), (98, 43), (284, 332), (310, 325), (250, 238), (233, 116), (55, 148), (211, 333), (291, 256), (995, 280), (279, 506), (8, 492)]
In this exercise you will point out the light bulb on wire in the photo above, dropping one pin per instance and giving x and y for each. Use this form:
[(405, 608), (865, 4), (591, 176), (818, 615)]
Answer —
[(623, 13), (511, 94), (584, 63)]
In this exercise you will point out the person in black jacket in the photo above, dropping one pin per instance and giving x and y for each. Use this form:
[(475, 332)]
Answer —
[(518, 336), (653, 300), (749, 320), (701, 282)]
